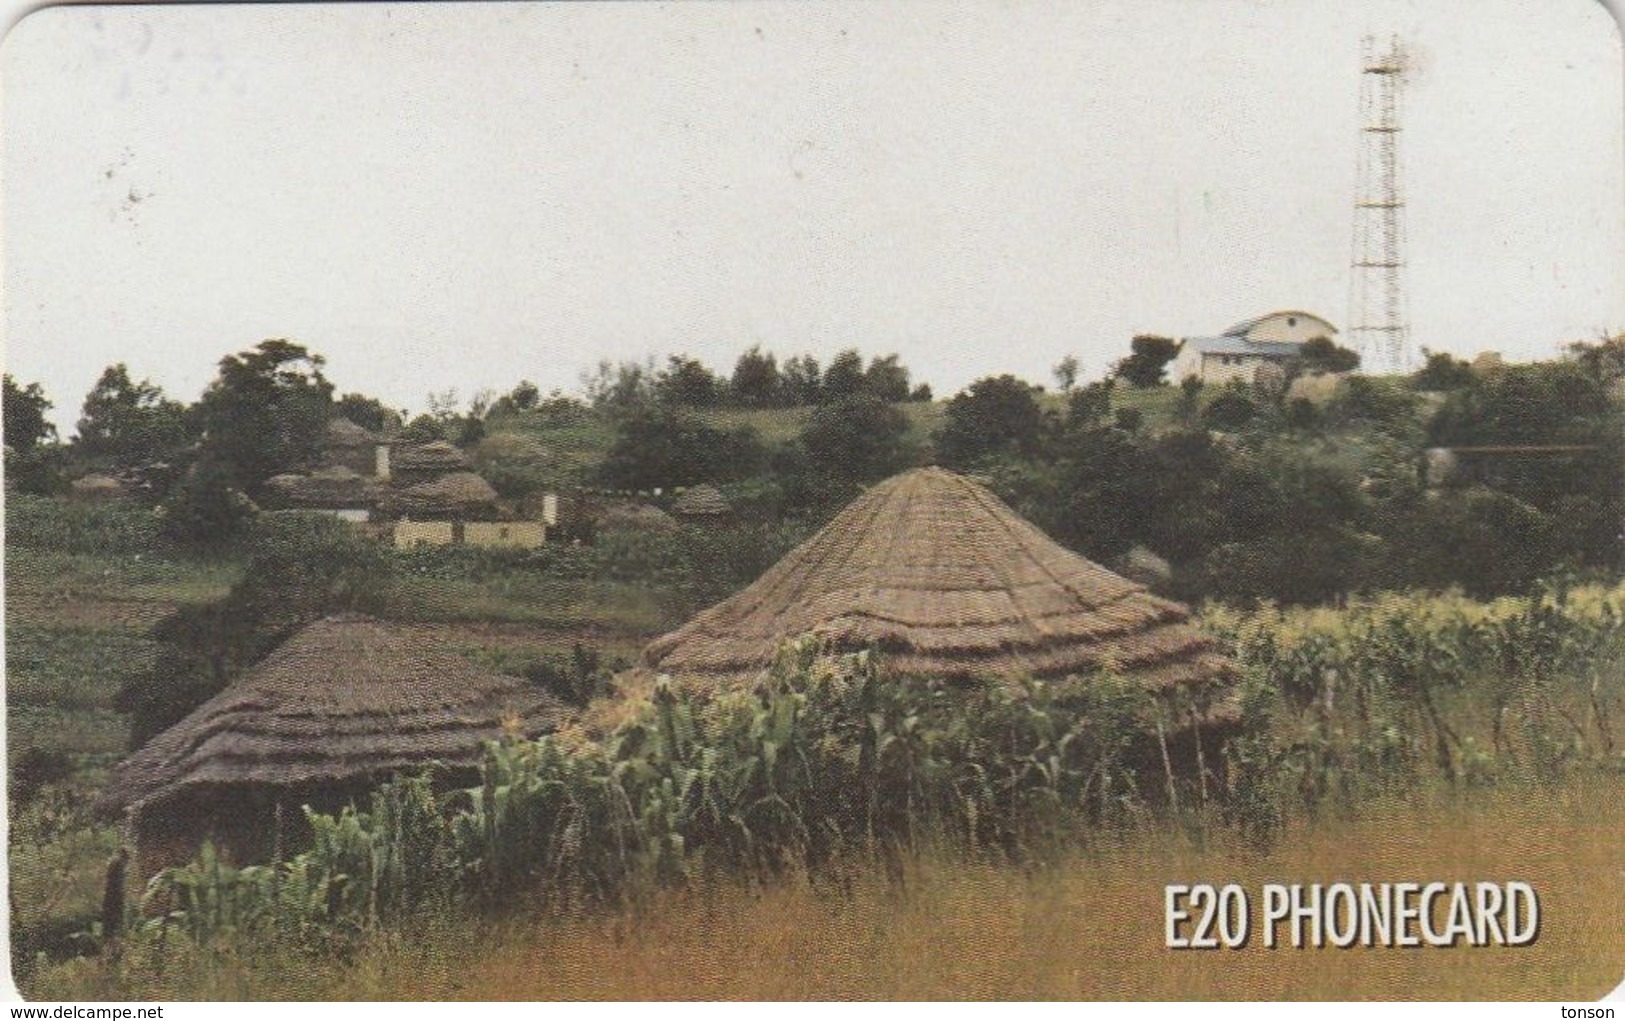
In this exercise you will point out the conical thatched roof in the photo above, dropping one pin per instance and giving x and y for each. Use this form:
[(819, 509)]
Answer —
[(344, 699), (438, 456), (341, 432), (459, 492), (946, 581), (701, 501)]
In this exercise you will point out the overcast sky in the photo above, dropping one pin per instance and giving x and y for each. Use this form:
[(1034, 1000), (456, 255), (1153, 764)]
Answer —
[(443, 196)]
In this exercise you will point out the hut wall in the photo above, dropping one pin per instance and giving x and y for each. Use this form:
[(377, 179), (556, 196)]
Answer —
[(242, 822), (241, 825), (426, 533), (505, 534)]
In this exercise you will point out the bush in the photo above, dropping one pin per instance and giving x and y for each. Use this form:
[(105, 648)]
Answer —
[(118, 528), (301, 566), (1231, 409)]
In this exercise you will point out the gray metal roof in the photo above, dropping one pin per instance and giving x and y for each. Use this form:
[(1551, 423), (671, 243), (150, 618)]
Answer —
[(1235, 345)]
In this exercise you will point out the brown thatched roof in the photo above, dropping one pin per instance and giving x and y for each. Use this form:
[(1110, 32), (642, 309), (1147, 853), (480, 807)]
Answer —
[(438, 456), (96, 486), (701, 501), (459, 492), (341, 432), (946, 581), (332, 487), (344, 699)]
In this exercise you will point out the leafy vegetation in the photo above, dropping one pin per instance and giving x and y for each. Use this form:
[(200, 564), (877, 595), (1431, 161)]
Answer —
[(829, 763), (1271, 500)]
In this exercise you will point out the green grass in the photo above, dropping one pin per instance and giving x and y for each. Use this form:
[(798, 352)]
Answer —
[(1086, 925), (51, 575), (522, 598), (71, 667)]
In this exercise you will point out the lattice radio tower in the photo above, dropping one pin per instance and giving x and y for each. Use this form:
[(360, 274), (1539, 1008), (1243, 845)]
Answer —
[(1379, 320)]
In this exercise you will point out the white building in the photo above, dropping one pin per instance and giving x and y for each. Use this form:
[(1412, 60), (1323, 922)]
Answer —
[(1238, 352)]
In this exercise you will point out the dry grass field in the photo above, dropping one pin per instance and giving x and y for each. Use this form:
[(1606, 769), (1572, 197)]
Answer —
[(1088, 926)]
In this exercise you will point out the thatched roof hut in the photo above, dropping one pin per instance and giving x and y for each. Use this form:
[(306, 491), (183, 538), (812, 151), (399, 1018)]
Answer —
[(947, 581), (702, 502), (341, 432), (331, 488), (460, 494), (96, 487), (428, 459), (344, 703), (634, 517)]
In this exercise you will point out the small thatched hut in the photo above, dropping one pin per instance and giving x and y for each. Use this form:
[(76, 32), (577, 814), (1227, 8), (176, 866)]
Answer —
[(937, 573), (95, 488), (341, 705), (413, 466), (640, 518), (337, 489), (702, 503), (460, 495)]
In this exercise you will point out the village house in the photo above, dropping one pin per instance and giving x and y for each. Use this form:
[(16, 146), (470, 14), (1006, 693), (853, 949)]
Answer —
[(1240, 351), (352, 479), (335, 490), (357, 448), (703, 504), (414, 466), (429, 492), (951, 584), (342, 705)]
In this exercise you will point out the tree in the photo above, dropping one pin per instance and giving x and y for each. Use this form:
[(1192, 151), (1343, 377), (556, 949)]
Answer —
[(267, 411), (686, 382), (1441, 372), (803, 381), (661, 449), (368, 412), (301, 566), (1603, 360), (1190, 396), (995, 416), (1066, 373), (620, 386), (1572, 465), (844, 377), (887, 379), (1148, 359), (1091, 404), (25, 422), (127, 424), (755, 382), (921, 394), (1232, 409), (1321, 354), (206, 505), (856, 441), (31, 465)]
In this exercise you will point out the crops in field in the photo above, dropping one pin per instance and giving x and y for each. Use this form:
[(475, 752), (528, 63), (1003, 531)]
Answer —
[(1087, 925), (831, 778), (1398, 689)]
